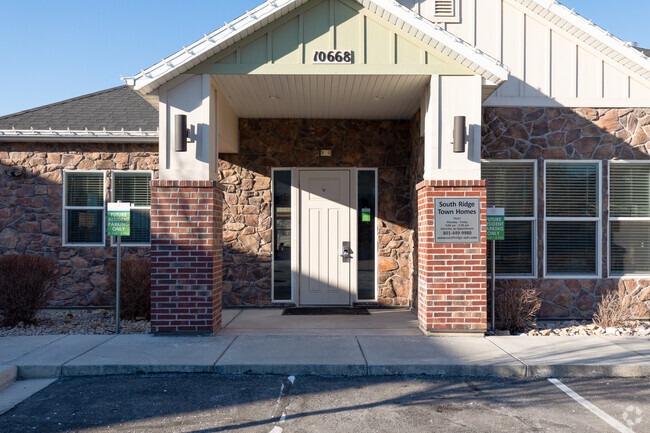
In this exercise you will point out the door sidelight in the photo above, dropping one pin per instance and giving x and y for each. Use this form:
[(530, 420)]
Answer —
[(347, 252)]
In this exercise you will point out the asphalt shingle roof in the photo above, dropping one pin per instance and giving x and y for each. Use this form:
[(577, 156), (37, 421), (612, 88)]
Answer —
[(113, 109), (645, 51)]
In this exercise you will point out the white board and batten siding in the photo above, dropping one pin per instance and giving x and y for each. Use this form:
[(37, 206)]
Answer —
[(548, 65)]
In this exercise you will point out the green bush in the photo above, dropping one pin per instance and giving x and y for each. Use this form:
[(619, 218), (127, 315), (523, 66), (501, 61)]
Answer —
[(25, 282), (135, 287)]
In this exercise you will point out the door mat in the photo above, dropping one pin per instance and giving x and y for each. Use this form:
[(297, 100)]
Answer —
[(323, 311)]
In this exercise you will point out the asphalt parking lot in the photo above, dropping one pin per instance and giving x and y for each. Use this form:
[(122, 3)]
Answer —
[(263, 404)]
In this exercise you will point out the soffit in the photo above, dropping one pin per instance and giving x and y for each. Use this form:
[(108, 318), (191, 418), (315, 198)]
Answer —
[(323, 96)]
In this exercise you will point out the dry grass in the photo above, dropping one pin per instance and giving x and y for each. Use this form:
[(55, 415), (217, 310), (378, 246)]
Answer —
[(516, 308), (612, 311)]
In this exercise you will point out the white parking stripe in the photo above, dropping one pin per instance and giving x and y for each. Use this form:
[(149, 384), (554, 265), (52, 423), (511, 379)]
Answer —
[(602, 415)]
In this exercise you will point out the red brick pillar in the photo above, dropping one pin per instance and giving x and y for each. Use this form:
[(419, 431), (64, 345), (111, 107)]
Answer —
[(452, 278), (186, 257)]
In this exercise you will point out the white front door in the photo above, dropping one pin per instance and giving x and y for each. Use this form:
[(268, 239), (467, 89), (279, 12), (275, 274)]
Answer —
[(324, 227)]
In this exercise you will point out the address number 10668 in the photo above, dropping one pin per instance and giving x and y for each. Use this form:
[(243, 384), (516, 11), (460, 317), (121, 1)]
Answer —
[(333, 56)]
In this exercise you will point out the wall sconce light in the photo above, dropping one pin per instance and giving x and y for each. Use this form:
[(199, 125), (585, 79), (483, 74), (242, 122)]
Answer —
[(180, 133), (459, 134)]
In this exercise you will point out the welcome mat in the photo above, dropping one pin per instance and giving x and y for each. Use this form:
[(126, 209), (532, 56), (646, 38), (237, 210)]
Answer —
[(323, 311)]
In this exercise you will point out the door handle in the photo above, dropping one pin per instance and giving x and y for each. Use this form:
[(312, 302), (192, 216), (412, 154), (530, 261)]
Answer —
[(346, 255)]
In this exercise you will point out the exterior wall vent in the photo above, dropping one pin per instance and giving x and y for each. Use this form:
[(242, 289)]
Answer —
[(439, 11), (444, 8)]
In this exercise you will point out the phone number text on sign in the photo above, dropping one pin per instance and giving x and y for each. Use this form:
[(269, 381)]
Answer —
[(333, 56)]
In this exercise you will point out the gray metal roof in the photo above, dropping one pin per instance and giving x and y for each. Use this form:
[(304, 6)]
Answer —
[(114, 109), (645, 51)]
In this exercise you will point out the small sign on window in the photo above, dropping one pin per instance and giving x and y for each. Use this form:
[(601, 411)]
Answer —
[(365, 214)]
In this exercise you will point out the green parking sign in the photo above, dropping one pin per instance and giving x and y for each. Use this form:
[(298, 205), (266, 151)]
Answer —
[(118, 219), (496, 229)]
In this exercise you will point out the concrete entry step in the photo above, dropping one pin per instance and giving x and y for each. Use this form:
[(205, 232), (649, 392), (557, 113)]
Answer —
[(8, 375), (270, 321)]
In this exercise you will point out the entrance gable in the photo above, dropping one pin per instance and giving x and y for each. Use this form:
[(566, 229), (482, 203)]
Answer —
[(404, 56), (289, 46)]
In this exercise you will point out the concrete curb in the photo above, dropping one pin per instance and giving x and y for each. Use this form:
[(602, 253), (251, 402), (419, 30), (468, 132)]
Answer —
[(8, 375), (293, 369), (589, 370), (509, 371), (449, 370)]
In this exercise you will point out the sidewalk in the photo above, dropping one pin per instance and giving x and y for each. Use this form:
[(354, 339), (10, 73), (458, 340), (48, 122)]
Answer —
[(81, 355)]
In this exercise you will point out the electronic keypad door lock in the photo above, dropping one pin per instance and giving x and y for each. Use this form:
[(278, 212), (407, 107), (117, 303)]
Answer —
[(347, 252)]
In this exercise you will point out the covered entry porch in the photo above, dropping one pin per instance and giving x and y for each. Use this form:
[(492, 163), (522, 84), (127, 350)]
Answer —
[(277, 139)]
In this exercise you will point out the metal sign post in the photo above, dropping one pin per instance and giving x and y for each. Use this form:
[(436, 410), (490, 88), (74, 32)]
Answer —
[(495, 232), (118, 218)]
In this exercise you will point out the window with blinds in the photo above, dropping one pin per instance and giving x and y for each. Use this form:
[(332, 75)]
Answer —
[(83, 208), (135, 187), (512, 186), (629, 222), (572, 191)]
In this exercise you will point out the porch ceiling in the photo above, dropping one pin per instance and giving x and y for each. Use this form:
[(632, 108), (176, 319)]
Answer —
[(323, 96)]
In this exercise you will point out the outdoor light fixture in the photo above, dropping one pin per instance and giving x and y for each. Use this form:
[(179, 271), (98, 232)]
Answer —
[(459, 134), (180, 133)]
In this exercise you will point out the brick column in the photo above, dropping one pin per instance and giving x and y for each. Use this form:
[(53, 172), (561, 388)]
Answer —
[(186, 257), (452, 278)]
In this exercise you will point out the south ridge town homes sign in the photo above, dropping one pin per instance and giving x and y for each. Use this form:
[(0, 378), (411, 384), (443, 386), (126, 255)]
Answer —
[(457, 220)]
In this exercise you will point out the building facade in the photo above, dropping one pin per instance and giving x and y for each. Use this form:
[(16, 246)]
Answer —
[(340, 152)]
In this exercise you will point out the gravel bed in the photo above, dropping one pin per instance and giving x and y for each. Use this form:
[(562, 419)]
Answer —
[(583, 328), (100, 322)]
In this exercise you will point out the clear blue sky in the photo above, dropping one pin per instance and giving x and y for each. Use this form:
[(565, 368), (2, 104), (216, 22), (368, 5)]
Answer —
[(54, 50)]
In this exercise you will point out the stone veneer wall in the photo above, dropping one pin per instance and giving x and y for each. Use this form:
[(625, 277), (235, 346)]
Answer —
[(31, 210), (246, 177), (571, 134)]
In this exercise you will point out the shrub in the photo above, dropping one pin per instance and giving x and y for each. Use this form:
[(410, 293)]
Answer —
[(135, 287), (25, 281), (516, 308), (612, 311)]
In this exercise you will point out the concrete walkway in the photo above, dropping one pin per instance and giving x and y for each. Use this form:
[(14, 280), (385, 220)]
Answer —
[(89, 355)]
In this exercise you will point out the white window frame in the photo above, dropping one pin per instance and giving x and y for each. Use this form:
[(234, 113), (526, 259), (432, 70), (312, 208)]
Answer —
[(113, 238), (611, 218), (533, 219), (376, 235), (598, 220), (64, 230), (294, 237)]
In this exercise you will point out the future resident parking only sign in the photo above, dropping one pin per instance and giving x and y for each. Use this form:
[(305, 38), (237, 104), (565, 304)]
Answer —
[(496, 229), (457, 220), (118, 219)]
